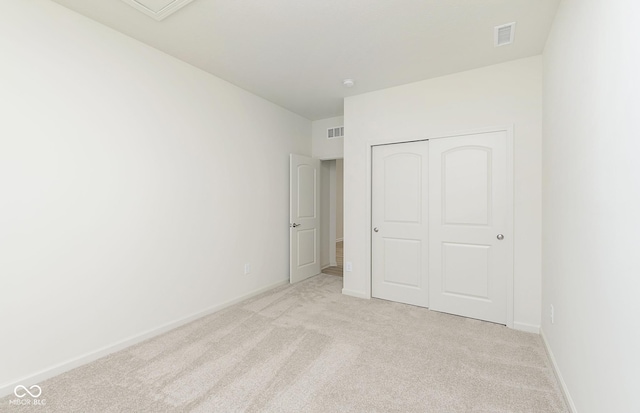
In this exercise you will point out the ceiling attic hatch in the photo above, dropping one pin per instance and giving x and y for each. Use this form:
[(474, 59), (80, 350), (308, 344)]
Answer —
[(503, 35), (158, 9)]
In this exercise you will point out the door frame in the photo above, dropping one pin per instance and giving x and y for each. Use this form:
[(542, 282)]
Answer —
[(330, 187), (510, 195)]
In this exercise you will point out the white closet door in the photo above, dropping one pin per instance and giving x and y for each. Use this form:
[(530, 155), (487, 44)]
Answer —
[(470, 231), (399, 223)]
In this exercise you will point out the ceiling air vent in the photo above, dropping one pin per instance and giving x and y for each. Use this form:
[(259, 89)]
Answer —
[(503, 35), (158, 9), (335, 132)]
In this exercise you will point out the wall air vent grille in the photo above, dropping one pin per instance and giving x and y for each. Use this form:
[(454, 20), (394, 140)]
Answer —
[(335, 132), (503, 35)]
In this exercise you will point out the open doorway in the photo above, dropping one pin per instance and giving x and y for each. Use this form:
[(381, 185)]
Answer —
[(332, 216)]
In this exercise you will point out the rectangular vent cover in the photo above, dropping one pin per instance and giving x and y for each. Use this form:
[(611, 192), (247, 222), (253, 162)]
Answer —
[(335, 132), (503, 35), (158, 9)]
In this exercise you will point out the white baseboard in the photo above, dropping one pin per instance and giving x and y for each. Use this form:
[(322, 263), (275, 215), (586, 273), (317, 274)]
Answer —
[(529, 328), (325, 266), (7, 388), (556, 370), (333, 264), (357, 294)]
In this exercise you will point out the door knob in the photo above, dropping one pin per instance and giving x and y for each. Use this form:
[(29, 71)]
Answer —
[(500, 237), (295, 225), (375, 229)]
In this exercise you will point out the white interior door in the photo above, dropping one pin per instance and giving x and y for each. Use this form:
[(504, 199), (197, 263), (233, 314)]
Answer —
[(400, 223), (470, 231), (304, 217)]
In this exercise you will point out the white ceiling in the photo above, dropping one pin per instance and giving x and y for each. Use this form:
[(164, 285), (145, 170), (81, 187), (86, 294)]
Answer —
[(296, 53)]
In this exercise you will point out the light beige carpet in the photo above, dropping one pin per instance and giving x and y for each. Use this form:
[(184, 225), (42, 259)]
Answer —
[(307, 348)]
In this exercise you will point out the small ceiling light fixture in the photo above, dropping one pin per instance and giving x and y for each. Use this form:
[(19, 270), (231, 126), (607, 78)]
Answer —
[(348, 83)]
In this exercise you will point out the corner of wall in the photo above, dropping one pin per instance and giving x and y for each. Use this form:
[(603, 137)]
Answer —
[(556, 370)]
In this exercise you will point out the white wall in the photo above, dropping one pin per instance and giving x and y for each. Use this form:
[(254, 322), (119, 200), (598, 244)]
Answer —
[(591, 202), (328, 212), (339, 198), (329, 150), (325, 213), (134, 188), (501, 95), (332, 213), (322, 147)]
